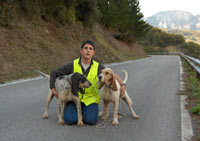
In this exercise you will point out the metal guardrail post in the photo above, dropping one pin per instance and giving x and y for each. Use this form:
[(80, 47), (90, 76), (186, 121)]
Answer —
[(197, 75)]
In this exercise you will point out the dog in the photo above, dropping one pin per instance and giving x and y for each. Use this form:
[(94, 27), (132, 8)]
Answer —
[(110, 90), (67, 87)]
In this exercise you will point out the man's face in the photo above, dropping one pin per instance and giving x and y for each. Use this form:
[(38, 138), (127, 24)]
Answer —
[(87, 51)]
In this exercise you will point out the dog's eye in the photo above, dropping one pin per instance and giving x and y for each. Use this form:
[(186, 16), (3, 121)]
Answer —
[(107, 72), (83, 80)]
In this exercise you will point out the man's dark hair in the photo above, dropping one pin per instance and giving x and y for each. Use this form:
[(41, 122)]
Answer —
[(88, 42)]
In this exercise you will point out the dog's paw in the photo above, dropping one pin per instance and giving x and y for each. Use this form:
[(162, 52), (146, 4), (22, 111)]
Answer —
[(115, 122), (136, 117), (103, 118), (61, 123), (80, 124), (100, 114), (45, 116)]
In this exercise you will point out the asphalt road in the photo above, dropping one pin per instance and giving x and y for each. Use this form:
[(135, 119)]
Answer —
[(153, 85)]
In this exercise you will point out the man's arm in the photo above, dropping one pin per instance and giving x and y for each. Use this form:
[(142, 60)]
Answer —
[(63, 70)]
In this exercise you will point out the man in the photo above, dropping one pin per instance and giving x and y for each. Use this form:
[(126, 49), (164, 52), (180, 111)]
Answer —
[(90, 99)]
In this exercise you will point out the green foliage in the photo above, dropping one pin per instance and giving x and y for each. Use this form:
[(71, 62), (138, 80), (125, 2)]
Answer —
[(149, 49), (30, 7), (196, 109), (7, 8), (87, 12), (63, 15), (159, 38), (124, 16), (194, 88), (192, 49)]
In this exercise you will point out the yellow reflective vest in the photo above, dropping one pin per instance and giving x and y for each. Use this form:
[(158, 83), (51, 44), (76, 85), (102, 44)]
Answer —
[(91, 94)]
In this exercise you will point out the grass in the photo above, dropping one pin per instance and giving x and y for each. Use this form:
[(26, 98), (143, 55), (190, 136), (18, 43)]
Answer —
[(195, 93), (192, 90)]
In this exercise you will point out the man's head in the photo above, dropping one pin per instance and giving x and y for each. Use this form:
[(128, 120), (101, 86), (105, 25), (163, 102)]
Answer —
[(88, 42), (87, 49)]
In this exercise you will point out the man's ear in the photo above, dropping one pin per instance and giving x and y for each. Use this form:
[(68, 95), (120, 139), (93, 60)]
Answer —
[(81, 51), (75, 87), (114, 85)]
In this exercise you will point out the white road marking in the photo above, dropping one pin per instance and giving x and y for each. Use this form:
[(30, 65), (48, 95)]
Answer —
[(186, 124), (20, 81)]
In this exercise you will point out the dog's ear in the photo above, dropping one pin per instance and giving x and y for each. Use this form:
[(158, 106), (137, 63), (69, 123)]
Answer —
[(75, 87), (114, 85), (101, 85), (81, 90)]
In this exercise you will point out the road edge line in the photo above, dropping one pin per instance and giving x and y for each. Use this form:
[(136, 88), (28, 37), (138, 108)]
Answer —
[(20, 81), (186, 122)]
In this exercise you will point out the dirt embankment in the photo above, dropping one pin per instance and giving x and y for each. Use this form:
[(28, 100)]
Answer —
[(30, 45)]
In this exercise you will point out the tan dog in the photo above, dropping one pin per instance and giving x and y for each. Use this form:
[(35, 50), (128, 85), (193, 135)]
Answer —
[(111, 93)]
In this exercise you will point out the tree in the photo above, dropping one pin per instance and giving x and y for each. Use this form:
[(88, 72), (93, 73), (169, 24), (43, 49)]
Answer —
[(87, 12), (124, 17)]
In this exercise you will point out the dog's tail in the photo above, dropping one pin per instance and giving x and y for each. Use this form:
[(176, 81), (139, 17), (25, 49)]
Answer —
[(126, 76), (43, 74)]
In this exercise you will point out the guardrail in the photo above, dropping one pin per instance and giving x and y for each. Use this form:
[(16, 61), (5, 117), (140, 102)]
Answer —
[(194, 62)]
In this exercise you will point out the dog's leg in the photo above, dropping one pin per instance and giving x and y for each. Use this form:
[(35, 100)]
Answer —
[(49, 98), (60, 115), (115, 116), (105, 110), (129, 102), (101, 113), (79, 111)]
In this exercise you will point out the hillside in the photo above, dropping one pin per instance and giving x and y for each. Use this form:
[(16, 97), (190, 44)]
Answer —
[(175, 19), (34, 44), (189, 35)]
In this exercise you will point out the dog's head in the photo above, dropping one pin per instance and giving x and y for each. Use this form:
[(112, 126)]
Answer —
[(79, 82), (107, 77)]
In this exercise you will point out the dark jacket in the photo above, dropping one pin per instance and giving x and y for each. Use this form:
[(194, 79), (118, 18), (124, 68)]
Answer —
[(68, 69)]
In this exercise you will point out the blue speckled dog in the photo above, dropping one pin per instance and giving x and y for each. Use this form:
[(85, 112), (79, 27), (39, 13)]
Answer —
[(67, 87)]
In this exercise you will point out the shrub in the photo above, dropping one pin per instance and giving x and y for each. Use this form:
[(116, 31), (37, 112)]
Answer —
[(6, 12), (196, 109)]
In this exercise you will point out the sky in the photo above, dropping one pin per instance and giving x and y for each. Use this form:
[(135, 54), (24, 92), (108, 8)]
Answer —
[(151, 7)]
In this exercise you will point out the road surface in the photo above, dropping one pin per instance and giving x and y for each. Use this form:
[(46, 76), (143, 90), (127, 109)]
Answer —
[(153, 85)]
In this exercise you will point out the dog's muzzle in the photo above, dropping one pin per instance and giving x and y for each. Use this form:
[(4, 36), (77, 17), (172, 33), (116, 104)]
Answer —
[(89, 83), (100, 77)]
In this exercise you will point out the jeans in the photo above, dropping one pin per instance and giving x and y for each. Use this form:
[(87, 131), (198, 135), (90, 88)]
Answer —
[(90, 113)]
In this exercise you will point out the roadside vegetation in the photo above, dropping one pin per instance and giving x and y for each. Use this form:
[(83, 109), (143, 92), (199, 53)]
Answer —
[(192, 91), (157, 40)]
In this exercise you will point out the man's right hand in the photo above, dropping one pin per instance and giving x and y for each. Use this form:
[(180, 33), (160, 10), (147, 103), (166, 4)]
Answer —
[(53, 90)]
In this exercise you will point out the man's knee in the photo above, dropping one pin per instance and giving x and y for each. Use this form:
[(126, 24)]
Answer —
[(91, 120), (90, 114), (70, 114), (69, 120)]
